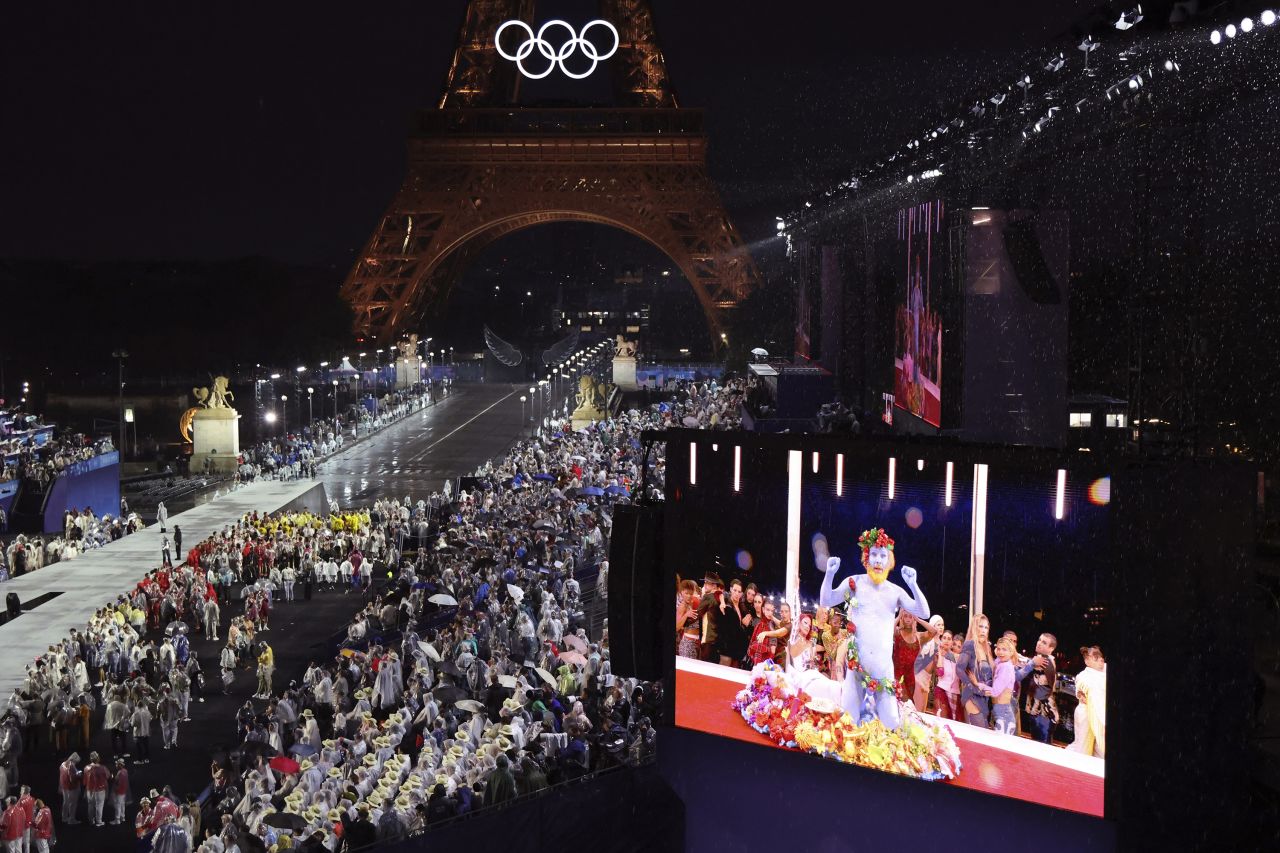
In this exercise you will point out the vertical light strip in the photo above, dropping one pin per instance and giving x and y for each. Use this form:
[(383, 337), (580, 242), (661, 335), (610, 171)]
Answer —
[(1060, 503), (919, 464), (893, 476), (951, 469), (839, 474), (978, 543), (716, 448), (693, 464), (795, 468), (737, 467), (815, 461)]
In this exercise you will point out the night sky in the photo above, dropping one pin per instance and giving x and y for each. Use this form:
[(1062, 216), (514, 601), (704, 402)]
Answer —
[(144, 130)]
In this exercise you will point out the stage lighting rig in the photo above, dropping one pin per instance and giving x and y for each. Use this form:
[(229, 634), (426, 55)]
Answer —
[(1268, 18), (1055, 64), (1246, 26)]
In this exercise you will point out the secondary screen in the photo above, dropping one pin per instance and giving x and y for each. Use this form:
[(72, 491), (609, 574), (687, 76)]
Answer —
[(939, 618)]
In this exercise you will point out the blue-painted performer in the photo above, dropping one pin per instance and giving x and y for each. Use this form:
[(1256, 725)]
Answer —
[(872, 604)]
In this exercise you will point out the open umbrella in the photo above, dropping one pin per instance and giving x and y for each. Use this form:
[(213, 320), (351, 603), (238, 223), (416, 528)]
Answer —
[(302, 749), (515, 592), (615, 490), (430, 651), (545, 676), (450, 668), (575, 642), (508, 681), (447, 695), (544, 477), (257, 747), (284, 764), (574, 658), (594, 491), (469, 705), (578, 457), (285, 820), (442, 599), (760, 352), (543, 525)]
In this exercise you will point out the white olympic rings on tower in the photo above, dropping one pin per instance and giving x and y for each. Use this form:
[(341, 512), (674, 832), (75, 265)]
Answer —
[(555, 56)]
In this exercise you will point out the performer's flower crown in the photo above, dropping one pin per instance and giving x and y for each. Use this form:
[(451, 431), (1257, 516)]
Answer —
[(874, 538)]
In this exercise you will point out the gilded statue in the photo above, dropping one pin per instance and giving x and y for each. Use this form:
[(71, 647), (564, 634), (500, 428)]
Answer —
[(624, 348), (408, 348), (218, 396), (592, 394)]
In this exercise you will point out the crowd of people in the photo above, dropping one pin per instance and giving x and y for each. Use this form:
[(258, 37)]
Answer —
[(40, 464), (961, 676), (474, 674)]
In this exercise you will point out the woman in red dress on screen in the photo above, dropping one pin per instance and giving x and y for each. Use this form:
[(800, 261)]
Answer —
[(906, 647)]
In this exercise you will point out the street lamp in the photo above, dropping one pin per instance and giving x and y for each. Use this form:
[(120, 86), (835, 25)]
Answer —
[(335, 406), (311, 414), (120, 355), (284, 414), (522, 421)]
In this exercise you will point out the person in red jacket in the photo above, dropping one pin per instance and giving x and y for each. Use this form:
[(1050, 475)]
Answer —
[(119, 792), (28, 804), (42, 827), (95, 778), (13, 826), (69, 786)]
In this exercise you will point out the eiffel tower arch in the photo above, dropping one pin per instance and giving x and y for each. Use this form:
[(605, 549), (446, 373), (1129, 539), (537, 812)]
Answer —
[(480, 167)]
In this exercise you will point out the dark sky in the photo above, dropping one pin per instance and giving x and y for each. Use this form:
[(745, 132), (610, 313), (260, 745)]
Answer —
[(145, 130)]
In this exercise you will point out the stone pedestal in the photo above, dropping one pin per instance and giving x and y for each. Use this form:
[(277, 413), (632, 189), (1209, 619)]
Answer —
[(585, 416), (408, 372), (624, 373), (215, 434)]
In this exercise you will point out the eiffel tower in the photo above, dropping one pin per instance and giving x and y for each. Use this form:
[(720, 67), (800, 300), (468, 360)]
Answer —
[(481, 167)]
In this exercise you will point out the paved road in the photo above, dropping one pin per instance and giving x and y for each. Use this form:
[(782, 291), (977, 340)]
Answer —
[(414, 457)]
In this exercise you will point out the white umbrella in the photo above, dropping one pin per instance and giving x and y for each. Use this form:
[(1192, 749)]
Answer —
[(446, 600), (508, 681), (430, 651), (760, 352), (545, 676), (469, 705), (515, 592)]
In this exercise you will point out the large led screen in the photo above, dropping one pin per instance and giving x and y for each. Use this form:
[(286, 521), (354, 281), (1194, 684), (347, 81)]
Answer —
[(936, 614), (917, 361)]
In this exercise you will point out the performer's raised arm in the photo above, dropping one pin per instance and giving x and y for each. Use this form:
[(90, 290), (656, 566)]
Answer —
[(831, 594), (918, 605)]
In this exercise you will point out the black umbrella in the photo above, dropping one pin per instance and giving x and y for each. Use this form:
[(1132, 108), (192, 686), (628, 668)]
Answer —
[(284, 820), (447, 695), (257, 747), (449, 668)]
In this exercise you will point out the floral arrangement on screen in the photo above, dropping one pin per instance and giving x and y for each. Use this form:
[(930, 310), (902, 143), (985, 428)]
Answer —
[(790, 718)]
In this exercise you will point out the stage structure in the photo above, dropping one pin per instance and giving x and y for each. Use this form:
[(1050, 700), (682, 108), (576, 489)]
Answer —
[(482, 166)]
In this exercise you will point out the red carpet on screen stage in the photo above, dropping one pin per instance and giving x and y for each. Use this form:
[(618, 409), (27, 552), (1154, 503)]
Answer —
[(703, 704)]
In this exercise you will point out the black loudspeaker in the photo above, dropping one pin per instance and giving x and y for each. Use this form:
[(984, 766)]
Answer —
[(635, 593), (1023, 246), (12, 605)]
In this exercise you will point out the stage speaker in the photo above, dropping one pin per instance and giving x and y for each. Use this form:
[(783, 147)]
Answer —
[(636, 618), (12, 605), (1029, 265)]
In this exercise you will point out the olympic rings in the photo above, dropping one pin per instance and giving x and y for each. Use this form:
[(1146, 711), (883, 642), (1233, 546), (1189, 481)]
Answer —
[(555, 56)]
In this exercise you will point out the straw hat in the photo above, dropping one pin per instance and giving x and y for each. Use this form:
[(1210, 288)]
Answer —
[(507, 731), (403, 802), (306, 765), (334, 773), (335, 815), (307, 713), (503, 743), (370, 760)]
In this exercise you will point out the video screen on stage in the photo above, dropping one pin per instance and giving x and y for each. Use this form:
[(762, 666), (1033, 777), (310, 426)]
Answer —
[(919, 262), (935, 614)]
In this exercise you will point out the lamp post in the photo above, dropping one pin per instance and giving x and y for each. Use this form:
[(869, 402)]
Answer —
[(120, 355), (311, 412), (336, 430), (522, 399), (284, 415)]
